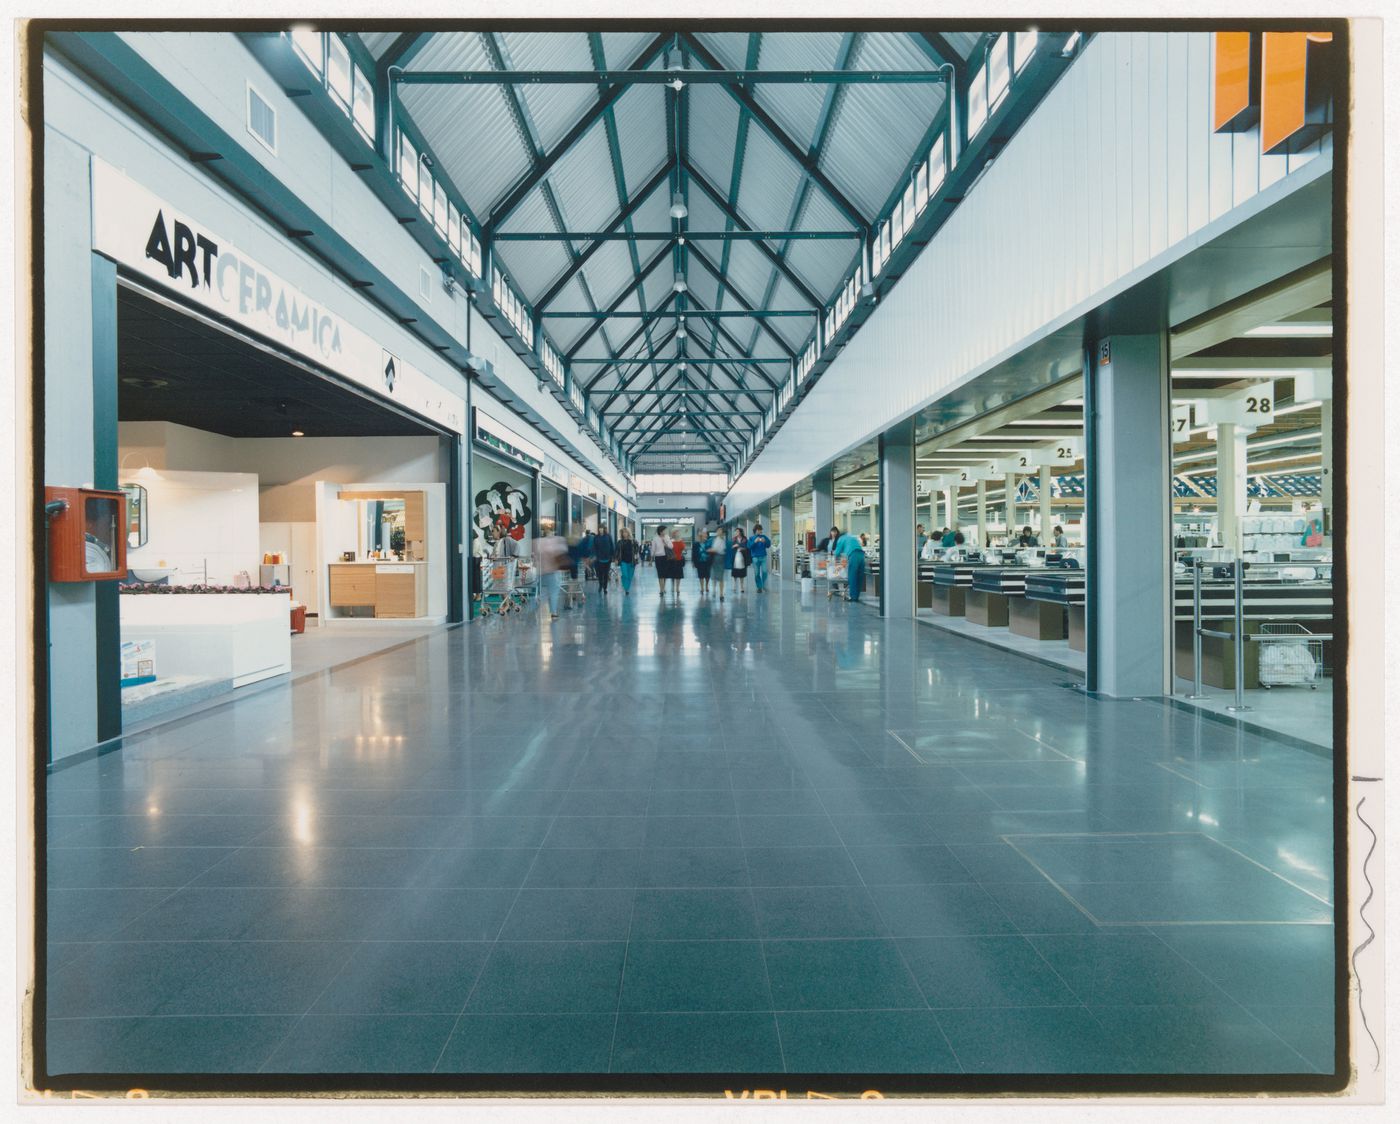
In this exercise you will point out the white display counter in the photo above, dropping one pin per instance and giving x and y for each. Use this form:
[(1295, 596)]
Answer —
[(241, 637)]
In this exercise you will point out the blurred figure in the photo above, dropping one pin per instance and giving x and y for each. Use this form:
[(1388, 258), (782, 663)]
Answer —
[(677, 563), (551, 562), (626, 559), (603, 552), (661, 556)]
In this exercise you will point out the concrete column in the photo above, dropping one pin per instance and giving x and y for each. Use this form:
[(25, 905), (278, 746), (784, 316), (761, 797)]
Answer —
[(898, 546), (981, 514), (823, 510), (950, 507), (1231, 469), (1047, 516), (1326, 412), (1010, 516), (787, 534), (1128, 473)]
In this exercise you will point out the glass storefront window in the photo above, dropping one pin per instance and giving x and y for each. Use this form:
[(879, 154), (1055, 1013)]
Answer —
[(503, 515)]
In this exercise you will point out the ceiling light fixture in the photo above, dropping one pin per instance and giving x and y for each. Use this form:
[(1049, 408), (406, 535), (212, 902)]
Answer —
[(298, 433), (679, 284), (678, 207)]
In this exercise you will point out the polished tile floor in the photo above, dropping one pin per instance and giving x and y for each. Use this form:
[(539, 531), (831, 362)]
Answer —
[(770, 835)]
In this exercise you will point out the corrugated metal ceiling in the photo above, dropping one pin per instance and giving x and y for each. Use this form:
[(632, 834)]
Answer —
[(870, 136)]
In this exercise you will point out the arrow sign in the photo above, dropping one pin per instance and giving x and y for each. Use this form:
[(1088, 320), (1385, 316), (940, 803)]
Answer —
[(391, 371)]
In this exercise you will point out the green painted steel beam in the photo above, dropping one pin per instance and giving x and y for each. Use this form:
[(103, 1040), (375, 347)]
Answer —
[(680, 314), (541, 168), (661, 176), (677, 235), (777, 133), (739, 362), (623, 78)]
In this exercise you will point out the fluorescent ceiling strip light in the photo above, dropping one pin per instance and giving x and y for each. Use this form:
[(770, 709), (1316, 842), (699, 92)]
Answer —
[(1269, 331)]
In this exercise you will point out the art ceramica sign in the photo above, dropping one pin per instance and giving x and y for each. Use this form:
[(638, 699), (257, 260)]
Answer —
[(148, 236)]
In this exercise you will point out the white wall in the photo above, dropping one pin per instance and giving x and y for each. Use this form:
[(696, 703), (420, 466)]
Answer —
[(198, 522), (287, 467), (1114, 175)]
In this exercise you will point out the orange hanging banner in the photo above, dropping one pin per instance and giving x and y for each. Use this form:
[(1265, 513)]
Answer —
[(1234, 90), (1263, 78)]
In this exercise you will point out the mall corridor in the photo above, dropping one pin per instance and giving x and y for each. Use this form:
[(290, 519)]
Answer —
[(773, 834)]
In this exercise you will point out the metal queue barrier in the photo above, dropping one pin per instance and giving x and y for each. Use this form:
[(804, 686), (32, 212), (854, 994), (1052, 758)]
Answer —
[(1239, 638), (1197, 632)]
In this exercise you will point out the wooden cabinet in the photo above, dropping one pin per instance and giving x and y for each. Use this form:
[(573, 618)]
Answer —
[(396, 590), (352, 586)]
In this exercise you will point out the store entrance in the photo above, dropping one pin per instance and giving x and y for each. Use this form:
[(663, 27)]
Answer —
[(270, 506)]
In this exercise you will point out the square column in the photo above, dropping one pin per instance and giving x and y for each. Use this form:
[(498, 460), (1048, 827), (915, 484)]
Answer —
[(1047, 517), (1128, 478), (823, 509), (981, 514), (1231, 469), (898, 514), (950, 507), (1326, 412), (787, 534)]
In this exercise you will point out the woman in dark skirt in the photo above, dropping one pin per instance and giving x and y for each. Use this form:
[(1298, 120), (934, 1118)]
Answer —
[(740, 570), (701, 558)]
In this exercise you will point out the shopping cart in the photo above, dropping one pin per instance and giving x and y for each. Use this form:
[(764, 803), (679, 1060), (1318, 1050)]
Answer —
[(498, 576), (831, 572), (524, 587), (1289, 656)]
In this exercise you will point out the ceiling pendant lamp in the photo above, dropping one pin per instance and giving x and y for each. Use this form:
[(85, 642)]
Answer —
[(679, 284), (678, 207), (680, 332)]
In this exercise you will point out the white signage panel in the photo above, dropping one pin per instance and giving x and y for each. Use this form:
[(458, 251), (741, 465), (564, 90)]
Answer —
[(148, 236), (1181, 423), (1250, 408)]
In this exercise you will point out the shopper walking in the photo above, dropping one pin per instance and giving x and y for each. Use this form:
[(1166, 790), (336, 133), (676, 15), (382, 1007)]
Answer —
[(551, 563), (661, 556), (677, 563), (739, 560), (759, 545), (604, 550), (627, 555), (848, 546), (701, 558)]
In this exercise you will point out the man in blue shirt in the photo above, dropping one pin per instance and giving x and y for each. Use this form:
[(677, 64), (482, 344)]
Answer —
[(848, 547), (758, 551)]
